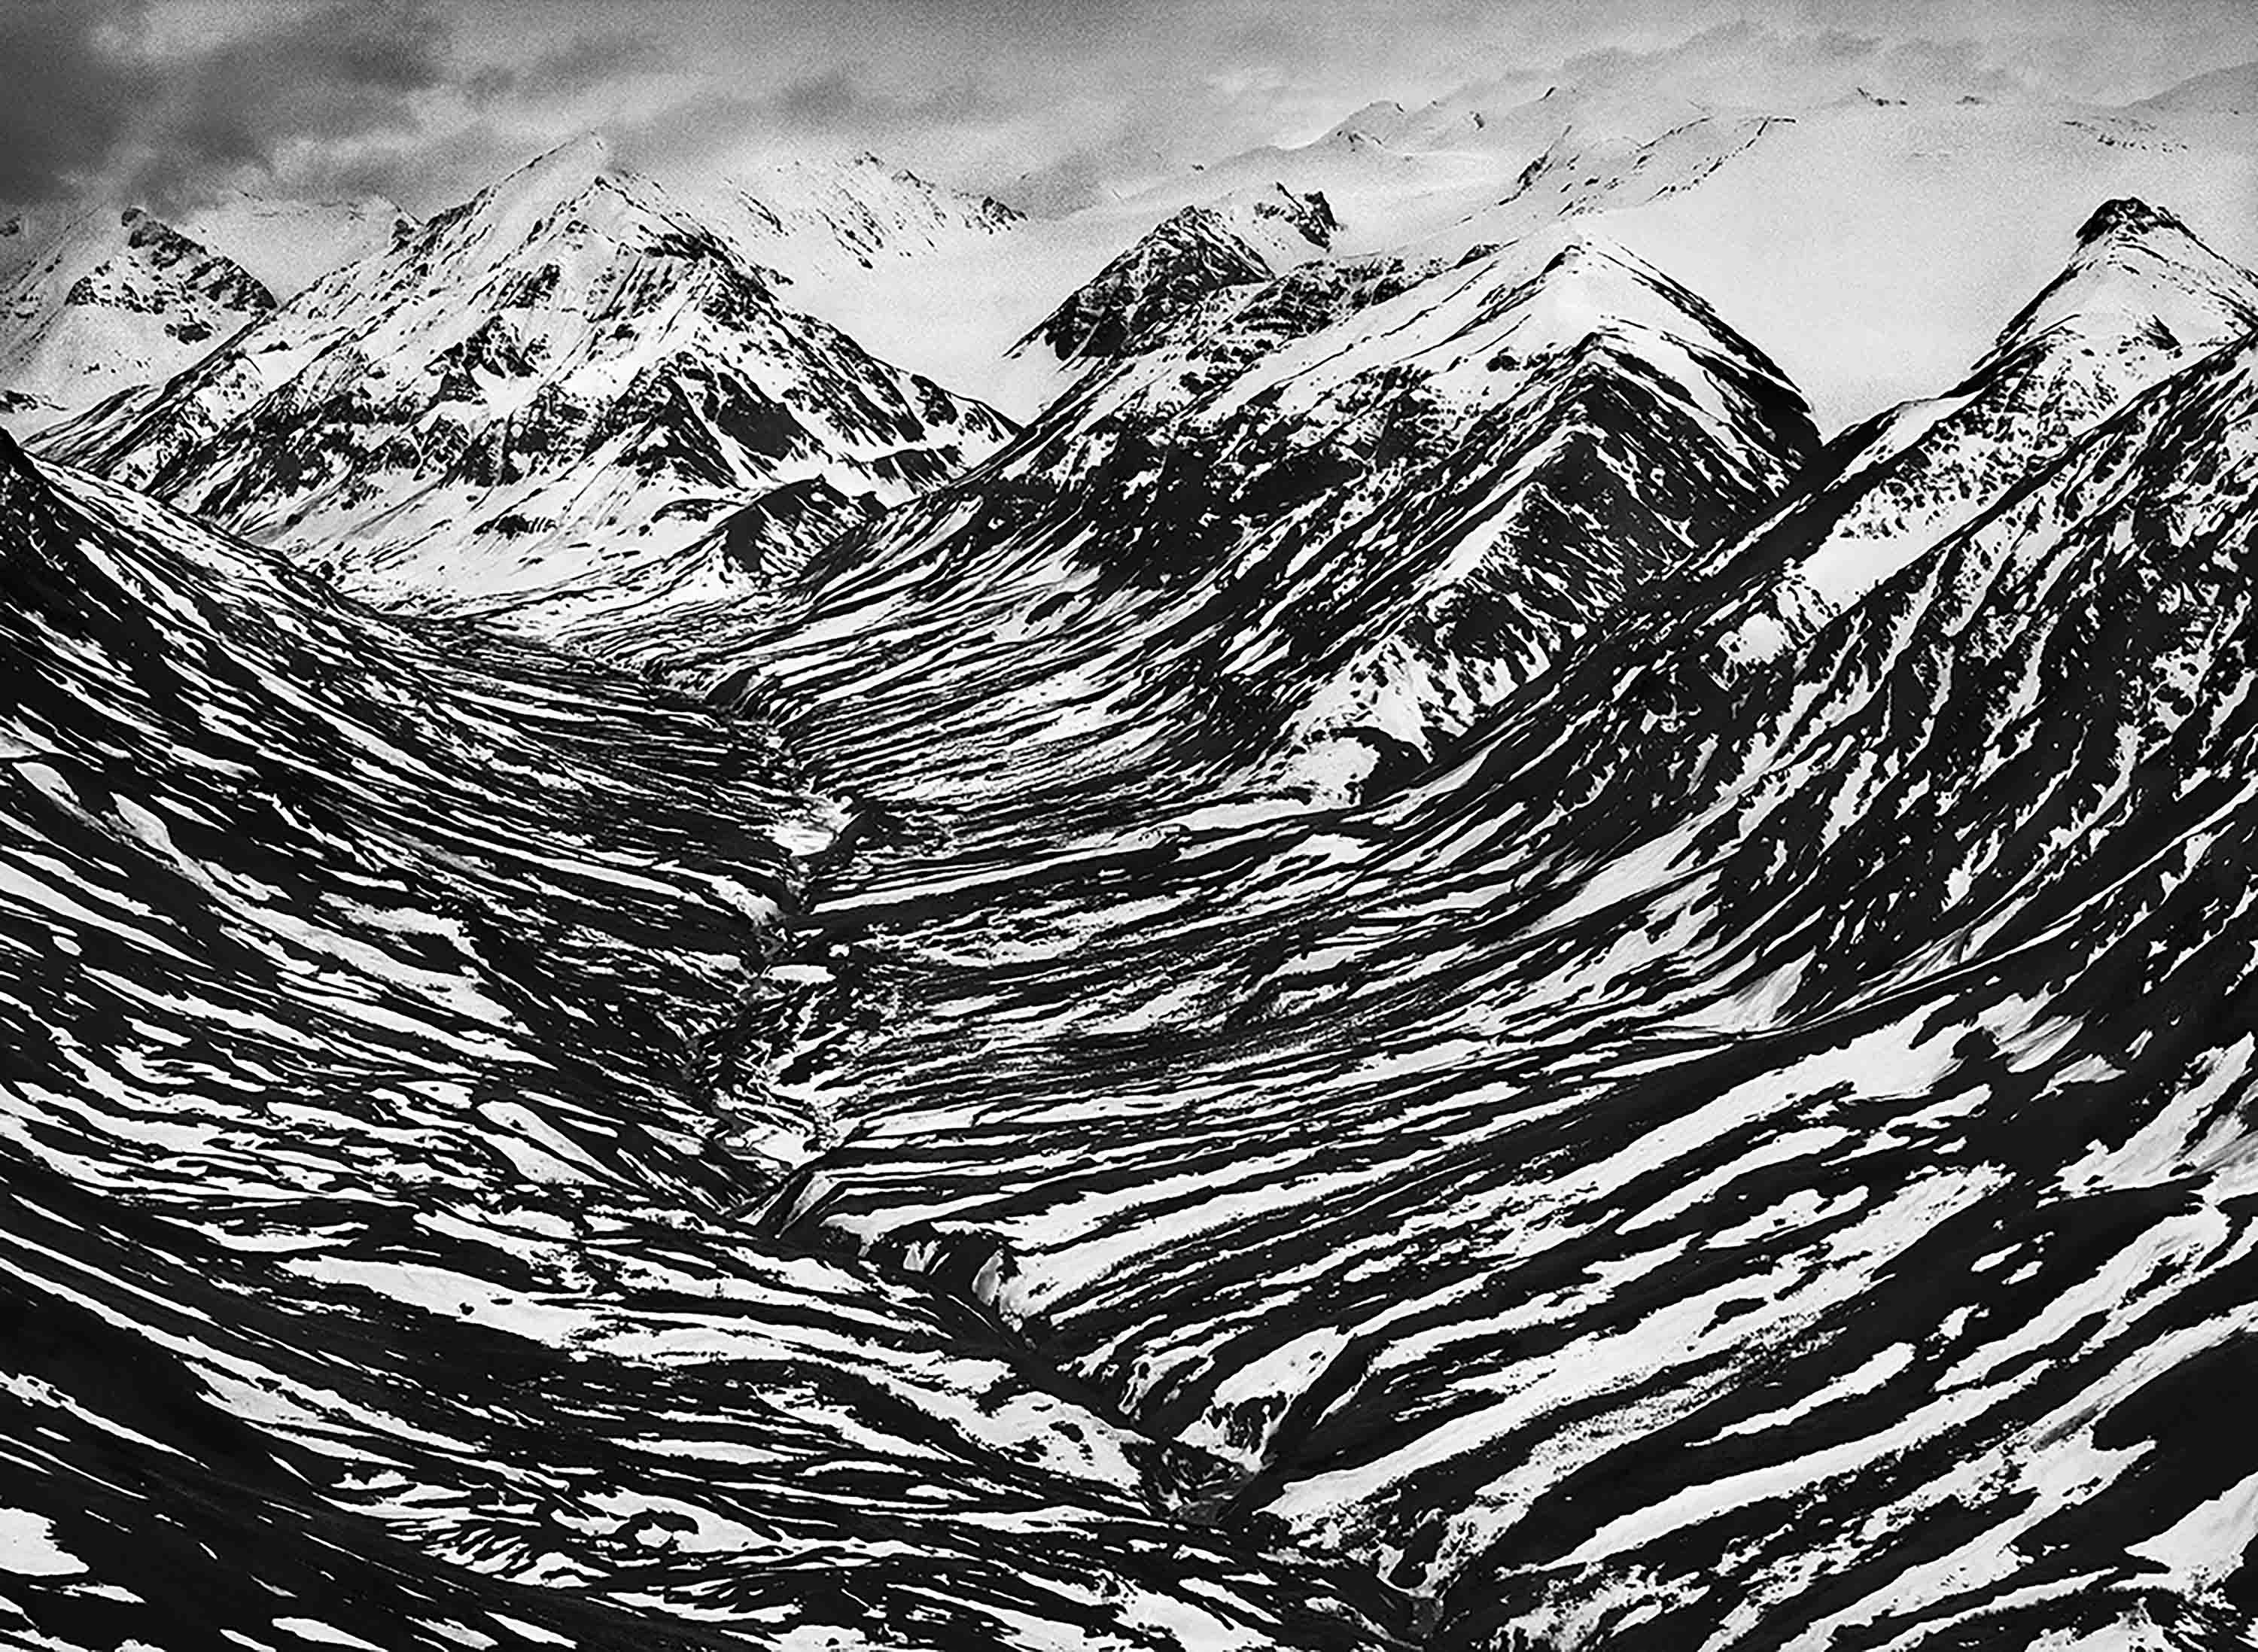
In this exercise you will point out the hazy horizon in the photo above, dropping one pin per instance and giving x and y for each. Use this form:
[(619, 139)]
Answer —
[(173, 104)]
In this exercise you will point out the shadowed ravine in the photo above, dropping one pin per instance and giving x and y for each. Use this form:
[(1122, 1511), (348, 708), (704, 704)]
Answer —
[(369, 1238)]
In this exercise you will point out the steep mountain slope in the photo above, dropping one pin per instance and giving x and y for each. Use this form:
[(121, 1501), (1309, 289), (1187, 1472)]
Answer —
[(382, 1098), (1812, 1211), (2140, 297), (1307, 532), (1665, 720), (94, 302), (554, 388)]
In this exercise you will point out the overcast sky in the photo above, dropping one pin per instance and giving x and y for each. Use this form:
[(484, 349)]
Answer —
[(1041, 102)]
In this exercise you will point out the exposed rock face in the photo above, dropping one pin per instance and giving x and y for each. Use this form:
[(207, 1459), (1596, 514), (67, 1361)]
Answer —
[(1198, 251), (1314, 528)]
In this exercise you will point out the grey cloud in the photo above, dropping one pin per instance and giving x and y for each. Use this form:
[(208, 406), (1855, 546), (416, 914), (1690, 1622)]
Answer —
[(1045, 101), (337, 70), (832, 105), (820, 100), (582, 63), (421, 171), (92, 101), (70, 84), (1746, 63), (839, 99)]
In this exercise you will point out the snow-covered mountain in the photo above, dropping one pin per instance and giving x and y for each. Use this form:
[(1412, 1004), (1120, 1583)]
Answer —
[(1197, 252), (1870, 240), (2142, 297), (1677, 710), (553, 388), (813, 220), (1308, 531), (96, 302), (1871, 244), (1706, 159)]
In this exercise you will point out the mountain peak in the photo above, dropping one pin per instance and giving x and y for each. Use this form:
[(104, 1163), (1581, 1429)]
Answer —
[(1375, 120), (1239, 240), (2125, 215), (1581, 249), (2139, 272), (557, 174), (508, 210), (566, 359), (547, 182), (810, 215)]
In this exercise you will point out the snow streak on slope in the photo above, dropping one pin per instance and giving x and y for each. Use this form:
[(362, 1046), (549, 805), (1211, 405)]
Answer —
[(1433, 963), (1782, 1181), (1666, 716), (96, 302), (550, 390), (384, 1091), (2140, 297)]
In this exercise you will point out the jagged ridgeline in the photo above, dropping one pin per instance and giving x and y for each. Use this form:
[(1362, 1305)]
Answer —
[(1412, 973), (1311, 529)]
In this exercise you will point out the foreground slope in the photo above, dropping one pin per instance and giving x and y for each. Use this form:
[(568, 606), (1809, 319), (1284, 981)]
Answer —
[(385, 1013)]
